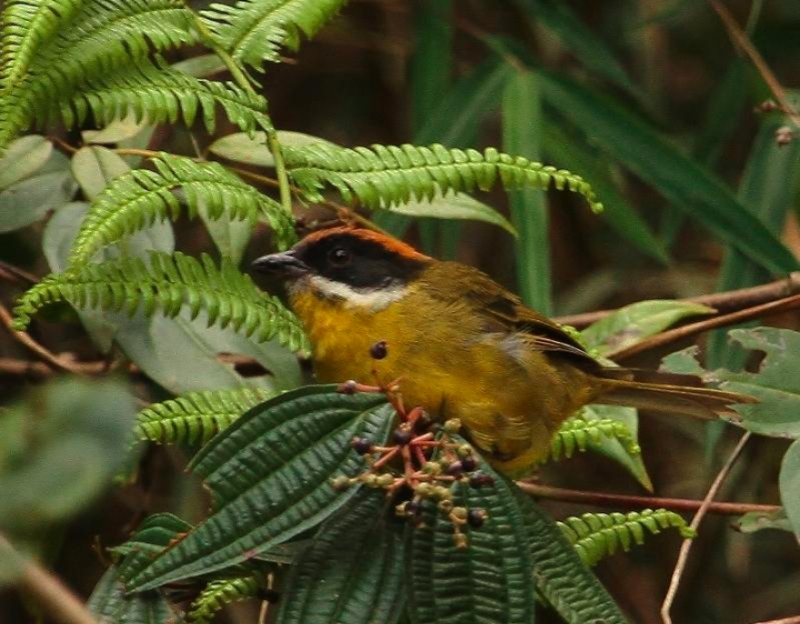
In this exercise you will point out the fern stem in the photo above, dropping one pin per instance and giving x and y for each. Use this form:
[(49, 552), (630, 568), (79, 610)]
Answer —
[(241, 79), (280, 170)]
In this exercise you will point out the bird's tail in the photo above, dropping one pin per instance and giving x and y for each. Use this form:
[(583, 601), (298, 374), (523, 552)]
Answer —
[(668, 393)]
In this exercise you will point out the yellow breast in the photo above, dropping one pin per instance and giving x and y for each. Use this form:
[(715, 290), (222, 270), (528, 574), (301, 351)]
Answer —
[(444, 363)]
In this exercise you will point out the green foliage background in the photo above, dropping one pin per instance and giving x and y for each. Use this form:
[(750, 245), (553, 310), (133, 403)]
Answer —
[(645, 108)]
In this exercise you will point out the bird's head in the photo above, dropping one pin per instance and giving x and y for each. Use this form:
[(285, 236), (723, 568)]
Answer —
[(359, 266)]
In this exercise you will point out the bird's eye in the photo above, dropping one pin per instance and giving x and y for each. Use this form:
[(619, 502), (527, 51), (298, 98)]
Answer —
[(339, 257)]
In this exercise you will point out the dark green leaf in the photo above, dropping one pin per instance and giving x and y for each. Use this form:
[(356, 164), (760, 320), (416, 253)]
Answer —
[(555, 15), (352, 572), (559, 575), (269, 474), (523, 130), (621, 216), (487, 582), (689, 186), (112, 604), (767, 190)]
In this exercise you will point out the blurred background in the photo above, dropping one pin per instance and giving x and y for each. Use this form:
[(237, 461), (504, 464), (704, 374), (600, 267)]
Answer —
[(651, 101)]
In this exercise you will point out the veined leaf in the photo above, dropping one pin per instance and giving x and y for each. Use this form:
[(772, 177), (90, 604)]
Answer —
[(559, 574), (352, 572), (270, 477), (487, 582)]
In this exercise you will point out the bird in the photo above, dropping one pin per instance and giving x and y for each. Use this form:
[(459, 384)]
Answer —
[(459, 345)]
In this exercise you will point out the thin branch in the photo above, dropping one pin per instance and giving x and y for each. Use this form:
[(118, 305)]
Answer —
[(740, 40), (723, 302), (46, 589), (597, 499), (693, 329), (686, 546), (25, 339), (15, 275)]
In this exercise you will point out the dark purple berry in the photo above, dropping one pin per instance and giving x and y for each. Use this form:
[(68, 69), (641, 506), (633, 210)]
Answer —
[(456, 469), (413, 509), (362, 446), (476, 518), (402, 435), (479, 479), (469, 463), (379, 350)]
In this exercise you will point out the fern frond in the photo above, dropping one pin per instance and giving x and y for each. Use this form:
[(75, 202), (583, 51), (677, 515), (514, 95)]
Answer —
[(169, 284), (84, 42), (596, 536), (382, 176), (196, 417), (109, 36), (162, 95), (580, 434), (253, 31), (139, 198), (219, 593), (27, 25)]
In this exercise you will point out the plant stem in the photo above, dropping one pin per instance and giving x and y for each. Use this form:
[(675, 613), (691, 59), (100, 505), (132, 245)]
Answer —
[(599, 499), (722, 302), (686, 546)]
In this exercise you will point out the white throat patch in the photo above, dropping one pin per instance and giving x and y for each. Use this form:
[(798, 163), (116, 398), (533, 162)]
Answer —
[(374, 299)]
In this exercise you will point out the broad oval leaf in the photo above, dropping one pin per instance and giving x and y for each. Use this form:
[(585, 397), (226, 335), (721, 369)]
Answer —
[(253, 149), (487, 582), (454, 206), (94, 167), (633, 323), (270, 477), (352, 572), (29, 200), (22, 158)]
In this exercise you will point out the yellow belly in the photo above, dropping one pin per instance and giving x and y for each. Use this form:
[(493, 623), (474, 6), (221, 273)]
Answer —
[(450, 369)]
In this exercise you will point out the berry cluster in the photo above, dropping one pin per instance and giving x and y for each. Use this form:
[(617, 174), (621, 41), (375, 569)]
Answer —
[(422, 463)]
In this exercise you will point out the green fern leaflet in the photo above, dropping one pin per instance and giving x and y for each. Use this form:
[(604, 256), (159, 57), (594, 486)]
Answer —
[(596, 536), (196, 417), (383, 176), (169, 284), (141, 197)]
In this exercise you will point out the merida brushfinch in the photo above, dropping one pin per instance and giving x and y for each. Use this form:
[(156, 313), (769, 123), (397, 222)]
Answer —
[(460, 345)]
